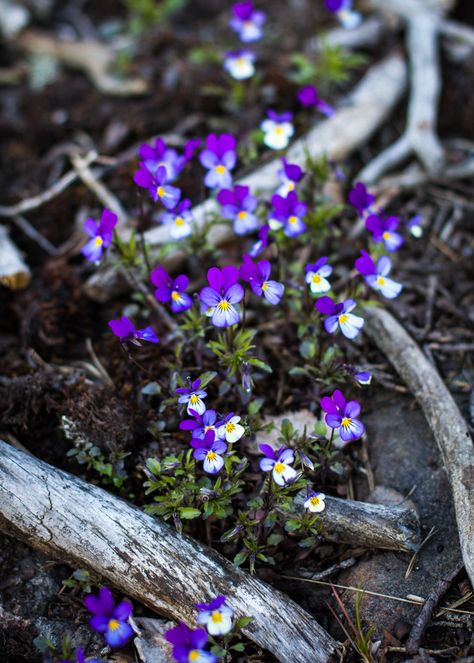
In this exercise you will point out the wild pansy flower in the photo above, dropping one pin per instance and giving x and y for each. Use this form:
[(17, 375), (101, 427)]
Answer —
[(360, 198), (308, 96), (230, 429), (221, 296), (278, 463), (168, 289), (101, 235), (348, 18), (209, 449), (188, 644), (262, 241), (240, 65), (289, 175), (376, 275), (414, 226), (152, 157), (277, 129), (339, 315), (239, 206), (289, 211), (79, 658), (315, 502), (341, 415), (179, 220), (126, 332), (383, 230), (257, 275), (316, 274), (157, 185), (363, 377), (247, 22), (219, 157), (193, 397), (108, 618), (202, 423), (216, 616)]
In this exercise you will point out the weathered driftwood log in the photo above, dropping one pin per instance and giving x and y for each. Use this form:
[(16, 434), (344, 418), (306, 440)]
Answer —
[(66, 517), (369, 525), (359, 116), (14, 272), (448, 426)]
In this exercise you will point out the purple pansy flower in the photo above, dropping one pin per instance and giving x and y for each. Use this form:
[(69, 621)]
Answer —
[(157, 185), (190, 148), (216, 616), (342, 415), (278, 463), (239, 206), (193, 396), (101, 235), (258, 276), (221, 296), (376, 275), (230, 429), (339, 315), (202, 423), (383, 230), (240, 65), (289, 211), (153, 157), (247, 22), (277, 129), (363, 377), (179, 220), (308, 96), (415, 227), (126, 331), (289, 175), (316, 274), (348, 18), (168, 289), (188, 644), (209, 449), (219, 158), (261, 243), (108, 618), (360, 198)]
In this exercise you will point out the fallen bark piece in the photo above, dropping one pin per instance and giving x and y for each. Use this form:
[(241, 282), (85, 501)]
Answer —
[(444, 418), (358, 117), (369, 525), (14, 272), (66, 517)]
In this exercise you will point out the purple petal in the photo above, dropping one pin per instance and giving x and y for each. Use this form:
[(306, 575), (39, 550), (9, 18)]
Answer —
[(325, 305)]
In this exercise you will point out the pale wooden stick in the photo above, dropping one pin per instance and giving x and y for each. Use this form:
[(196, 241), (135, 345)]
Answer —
[(145, 558), (442, 414), (14, 272)]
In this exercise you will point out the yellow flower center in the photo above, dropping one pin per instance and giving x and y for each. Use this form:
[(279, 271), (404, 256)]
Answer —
[(161, 193), (380, 280), (206, 428), (99, 241), (230, 427), (386, 235), (113, 624), (316, 278), (194, 655), (278, 130), (216, 617), (223, 305), (179, 221), (291, 186), (279, 468), (220, 169), (241, 62), (292, 220), (242, 215), (314, 501), (345, 422), (175, 296), (211, 455), (194, 399), (265, 286), (343, 318)]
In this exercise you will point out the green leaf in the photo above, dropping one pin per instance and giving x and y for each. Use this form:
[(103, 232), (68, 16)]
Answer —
[(260, 364), (297, 370), (238, 647), (188, 513), (206, 378), (151, 389), (240, 558), (308, 349), (154, 466), (292, 525), (242, 622)]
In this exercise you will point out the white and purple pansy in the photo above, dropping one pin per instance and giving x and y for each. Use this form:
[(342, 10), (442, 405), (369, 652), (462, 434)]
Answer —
[(261, 243), (376, 275), (101, 235), (348, 18), (289, 175), (193, 397), (168, 289), (188, 644), (216, 616), (221, 296), (279, 464), (246, 21), (157, 185), (238, 205), (219, 157), (230, 429), (179, 220), (202, 423), (277, 129), (361, 199), (339, 315), (316, 276), (315, 502), (257, 275), (240, 65), (289, 212), (384, 230), (342, 416), (210, 450), (152, 157)]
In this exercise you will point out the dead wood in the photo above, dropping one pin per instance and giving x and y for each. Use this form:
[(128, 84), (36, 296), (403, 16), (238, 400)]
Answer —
[(65, 517), (14, 272), (359, 116), (442, 414)]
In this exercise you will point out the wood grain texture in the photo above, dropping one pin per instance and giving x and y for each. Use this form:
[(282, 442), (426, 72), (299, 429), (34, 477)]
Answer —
[(81, 524)]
